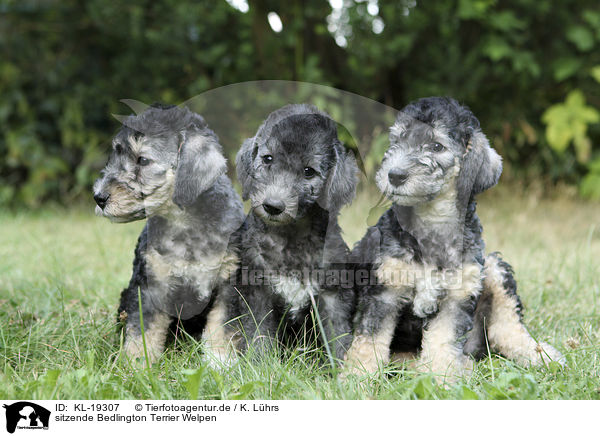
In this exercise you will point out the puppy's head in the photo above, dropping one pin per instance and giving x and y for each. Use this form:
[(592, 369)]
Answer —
[(163, 156), (295, 161), (436, 145)]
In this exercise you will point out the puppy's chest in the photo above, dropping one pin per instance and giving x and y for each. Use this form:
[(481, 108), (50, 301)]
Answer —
[(417, 272), (441, 252), (285, 254), (182, 256), (291, 269), (294, 292)]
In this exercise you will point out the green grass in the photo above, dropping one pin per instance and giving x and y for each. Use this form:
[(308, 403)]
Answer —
[(61, 273)]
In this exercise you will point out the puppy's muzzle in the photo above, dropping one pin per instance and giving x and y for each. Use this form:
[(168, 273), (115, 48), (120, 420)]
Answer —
[(397, 177), (101, 199), (273, 207)]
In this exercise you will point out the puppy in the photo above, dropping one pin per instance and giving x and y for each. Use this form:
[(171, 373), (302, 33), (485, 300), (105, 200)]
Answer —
[(297, 176), (426, 255), (167, 166)]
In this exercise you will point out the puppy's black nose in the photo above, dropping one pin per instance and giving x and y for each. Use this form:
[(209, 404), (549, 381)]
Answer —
[(397, 177), (101, 199), (274, 207)]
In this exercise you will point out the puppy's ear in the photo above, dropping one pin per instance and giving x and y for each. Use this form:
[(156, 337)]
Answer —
[(201, 162), (243, 165), (491, 167), (481, 167), (341, 182)]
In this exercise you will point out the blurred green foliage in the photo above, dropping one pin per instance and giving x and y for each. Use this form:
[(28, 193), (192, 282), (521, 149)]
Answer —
[(568, 123), (527, 68)]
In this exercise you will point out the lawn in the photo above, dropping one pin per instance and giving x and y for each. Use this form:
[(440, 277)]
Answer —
[(61, 273)]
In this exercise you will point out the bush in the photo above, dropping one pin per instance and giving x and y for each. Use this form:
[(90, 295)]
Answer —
[(66, 64)]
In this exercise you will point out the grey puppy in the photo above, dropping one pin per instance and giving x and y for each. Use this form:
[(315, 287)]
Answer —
[(429, 280), (167, 166), (297, 176)]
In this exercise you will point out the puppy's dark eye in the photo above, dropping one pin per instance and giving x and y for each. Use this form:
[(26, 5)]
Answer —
[(267, 158), (309, 172), (436, 147), (118, 149), (142, 161)]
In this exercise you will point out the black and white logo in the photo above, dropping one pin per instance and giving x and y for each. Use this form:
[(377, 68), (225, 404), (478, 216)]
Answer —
[(26, 415)]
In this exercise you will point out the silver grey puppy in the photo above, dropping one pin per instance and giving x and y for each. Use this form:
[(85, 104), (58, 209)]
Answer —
[(167, 166), (297, 175), (431, 282)]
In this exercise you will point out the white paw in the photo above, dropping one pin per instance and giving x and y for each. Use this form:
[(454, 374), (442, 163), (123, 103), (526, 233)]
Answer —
[(133, 350), (352, 370), (448, 369), (426, 298), (365, 356), (402, 357), (546, 353), (219, 360), (424, 307)]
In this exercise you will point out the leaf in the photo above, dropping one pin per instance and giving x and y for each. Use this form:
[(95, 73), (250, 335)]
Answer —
[(245, 390), (594, 166), (575, 98), (558, 136), (581, 37), (592, 18), (564, 68), (496, 48), (525, 61), (595, 72), (512, 385), (218, 378), (192, 381), (506, 20), (471, 9), (583, 147), (51, 377), (424, 388), (467, 394), (590, 185), (568, 122)]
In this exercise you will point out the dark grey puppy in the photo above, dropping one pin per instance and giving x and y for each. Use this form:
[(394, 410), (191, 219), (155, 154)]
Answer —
[(167, 166), (297, 176), (426, 254)]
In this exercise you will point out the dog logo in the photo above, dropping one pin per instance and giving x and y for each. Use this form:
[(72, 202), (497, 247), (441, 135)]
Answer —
[(26, 415)]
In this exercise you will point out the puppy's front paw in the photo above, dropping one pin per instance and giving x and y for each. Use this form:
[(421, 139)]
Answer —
[(220, 359), (546, 353), (349, 371), (424, 305), (447, 368), (405, 357), (133, 350), (427, 296), (364, 357)]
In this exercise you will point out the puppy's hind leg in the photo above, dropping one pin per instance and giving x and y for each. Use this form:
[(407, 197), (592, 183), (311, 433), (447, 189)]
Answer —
[(506, 332)]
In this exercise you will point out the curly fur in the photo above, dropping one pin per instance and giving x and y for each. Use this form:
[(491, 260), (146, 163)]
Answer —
[(438, 160), (270, 296), (167, 166)]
